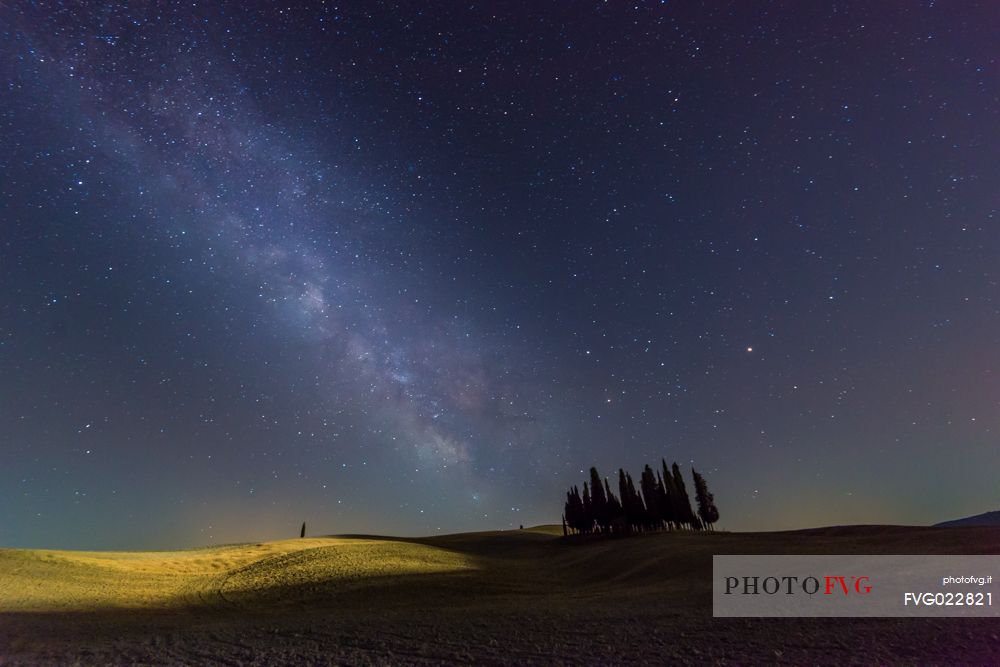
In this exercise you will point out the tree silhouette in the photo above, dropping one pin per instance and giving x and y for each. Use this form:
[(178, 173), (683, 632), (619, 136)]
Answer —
[(669, 496), (616, 521), (568, 511), (707, 511), (638, 506), (575, 512), (623, 494), (654, 515), (302, 533), (685, 515), (633, 511), (661, 502), (599, 501)]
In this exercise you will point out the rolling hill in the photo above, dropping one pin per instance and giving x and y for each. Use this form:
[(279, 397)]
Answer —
[(984, 519), (525, 597)]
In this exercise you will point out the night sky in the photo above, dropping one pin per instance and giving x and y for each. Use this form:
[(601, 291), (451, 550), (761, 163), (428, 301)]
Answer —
[(409, 268)]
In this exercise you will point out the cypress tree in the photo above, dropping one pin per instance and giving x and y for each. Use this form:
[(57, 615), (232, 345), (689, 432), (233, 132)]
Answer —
[(568, 511), (639, 520), (713, 512), (669, 496), (302, 533), (575, 513), (615, 519), (663, 502), (685, 513), (598, 500), (648, 485), (588, 511), (582, 511), (707, 510), (630, 513), (699, 495), (676, 500)]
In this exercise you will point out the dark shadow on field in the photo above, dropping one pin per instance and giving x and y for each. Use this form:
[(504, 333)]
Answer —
[(671, 558)]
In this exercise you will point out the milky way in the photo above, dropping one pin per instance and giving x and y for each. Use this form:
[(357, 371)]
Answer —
[(413, 268)]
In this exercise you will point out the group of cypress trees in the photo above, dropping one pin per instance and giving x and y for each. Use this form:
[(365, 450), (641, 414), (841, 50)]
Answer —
[(660, 503)]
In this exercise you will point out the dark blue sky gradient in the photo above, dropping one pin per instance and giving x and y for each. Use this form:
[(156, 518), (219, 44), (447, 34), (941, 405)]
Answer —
[(410, 267)]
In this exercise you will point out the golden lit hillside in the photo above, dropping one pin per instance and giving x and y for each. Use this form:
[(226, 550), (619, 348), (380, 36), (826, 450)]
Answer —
[(41, 580)]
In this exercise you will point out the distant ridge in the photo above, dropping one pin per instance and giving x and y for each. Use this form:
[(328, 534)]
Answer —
[(985, 519)]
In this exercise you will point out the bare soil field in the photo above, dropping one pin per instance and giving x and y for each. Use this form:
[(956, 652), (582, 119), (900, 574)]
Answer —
[(515, 597)]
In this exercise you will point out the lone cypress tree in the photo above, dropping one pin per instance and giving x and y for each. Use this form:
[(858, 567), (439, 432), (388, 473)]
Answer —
[(302, 533)]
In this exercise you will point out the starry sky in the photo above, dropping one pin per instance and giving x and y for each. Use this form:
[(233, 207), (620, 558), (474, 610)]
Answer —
[(414, 267)]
